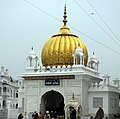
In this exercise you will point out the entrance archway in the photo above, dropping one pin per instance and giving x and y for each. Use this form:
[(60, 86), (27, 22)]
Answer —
[(72, 105), (52, 101)]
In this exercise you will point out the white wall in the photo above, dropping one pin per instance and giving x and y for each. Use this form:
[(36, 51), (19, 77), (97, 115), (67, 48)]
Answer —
[(92, 95)]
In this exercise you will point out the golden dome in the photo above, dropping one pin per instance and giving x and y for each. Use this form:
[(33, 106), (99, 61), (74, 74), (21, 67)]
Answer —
[(60, 48)]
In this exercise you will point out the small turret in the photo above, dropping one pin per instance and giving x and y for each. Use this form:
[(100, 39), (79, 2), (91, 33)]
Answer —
[(117, 82), (106, 79), (94, 62), (78, 56), (32, 60)]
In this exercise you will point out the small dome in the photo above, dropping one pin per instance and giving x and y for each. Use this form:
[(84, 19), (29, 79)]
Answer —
[(32, 54), (78, 50), (60, 48), (94, 58), (59, 67), (73, 103)]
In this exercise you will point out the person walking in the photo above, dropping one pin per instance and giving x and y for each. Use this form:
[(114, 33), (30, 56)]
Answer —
[(20, 116), (36, 116), (99, 114), (73, 114)]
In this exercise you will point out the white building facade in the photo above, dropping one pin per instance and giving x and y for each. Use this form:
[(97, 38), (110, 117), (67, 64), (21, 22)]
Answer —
[(66, 79), (8, 95)]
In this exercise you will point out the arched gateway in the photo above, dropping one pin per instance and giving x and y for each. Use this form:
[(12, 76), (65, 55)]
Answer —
[(52, 101)]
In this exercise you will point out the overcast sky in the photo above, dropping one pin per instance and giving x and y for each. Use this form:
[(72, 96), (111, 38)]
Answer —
[(24, 24)]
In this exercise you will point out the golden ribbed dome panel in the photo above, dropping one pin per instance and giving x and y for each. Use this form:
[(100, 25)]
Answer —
[(56, 46), (72, 44), (60, 48), (61, 45), (66, 44)]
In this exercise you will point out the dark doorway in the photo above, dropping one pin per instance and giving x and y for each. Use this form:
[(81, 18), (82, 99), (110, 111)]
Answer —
[(52, 101)]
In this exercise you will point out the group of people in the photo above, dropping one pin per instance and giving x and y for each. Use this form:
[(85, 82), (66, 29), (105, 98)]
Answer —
[(99, 114), (36, 115), (53, 115), (40, 115), (47, 115)]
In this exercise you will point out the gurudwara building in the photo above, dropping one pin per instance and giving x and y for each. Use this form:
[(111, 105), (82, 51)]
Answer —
[(67, 78), (8, 95)]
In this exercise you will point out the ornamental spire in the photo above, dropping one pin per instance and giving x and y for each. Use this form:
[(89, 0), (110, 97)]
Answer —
[(73, 97), (32, 48), (65, 16)]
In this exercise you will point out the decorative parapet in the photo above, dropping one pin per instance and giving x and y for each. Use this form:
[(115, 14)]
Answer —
[(74, 68), (102, 86)]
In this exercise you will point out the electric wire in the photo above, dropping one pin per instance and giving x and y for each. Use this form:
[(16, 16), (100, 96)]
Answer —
[(96, 41), (103, 21), (72, 27), (41, 10), (98, 24)]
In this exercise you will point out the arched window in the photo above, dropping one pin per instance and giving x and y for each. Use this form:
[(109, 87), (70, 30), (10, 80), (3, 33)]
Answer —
[(13, 106), (4, 104), (16, 106), (30, 61), (4, 89), (11, 93), (77, 59), (17, 94), (8, 90), (14, 93), (0, 106), (20, 83), (0, 91)]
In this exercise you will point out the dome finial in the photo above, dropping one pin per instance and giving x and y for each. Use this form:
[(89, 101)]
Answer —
[(65, 16), (73, 97), (32, 48)]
